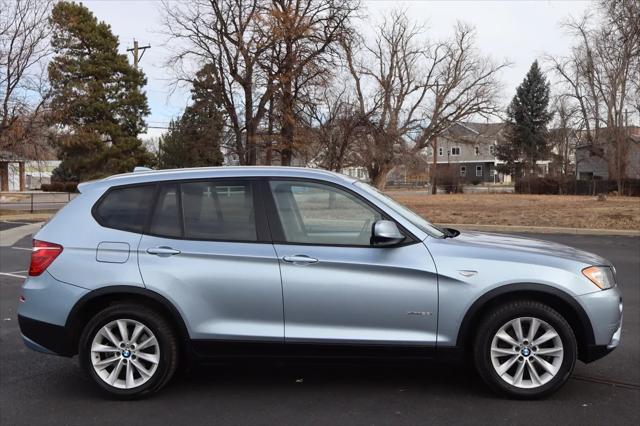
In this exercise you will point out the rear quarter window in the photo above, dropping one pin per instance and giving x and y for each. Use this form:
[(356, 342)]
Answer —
[(125, 208)]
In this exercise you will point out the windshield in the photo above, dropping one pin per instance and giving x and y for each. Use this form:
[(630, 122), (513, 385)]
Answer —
[(409, 215)]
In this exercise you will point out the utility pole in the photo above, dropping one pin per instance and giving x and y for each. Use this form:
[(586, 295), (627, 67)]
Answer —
[(138, 52)]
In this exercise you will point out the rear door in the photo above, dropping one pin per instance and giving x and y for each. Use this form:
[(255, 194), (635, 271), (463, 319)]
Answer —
[(337, 287), (207, 249)]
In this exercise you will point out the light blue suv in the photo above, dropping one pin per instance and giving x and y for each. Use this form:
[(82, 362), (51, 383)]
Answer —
[(144, 270)]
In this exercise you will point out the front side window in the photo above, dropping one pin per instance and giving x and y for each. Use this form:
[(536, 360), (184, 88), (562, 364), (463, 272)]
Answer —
[(409, 215), (312, 213), (477, 150), (125, 208), (455, 150), (440, 151), (478, 170), (463, 171)]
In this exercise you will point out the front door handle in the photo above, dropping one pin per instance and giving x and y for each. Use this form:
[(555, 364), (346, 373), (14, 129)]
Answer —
[(163, 251), (299, 259)]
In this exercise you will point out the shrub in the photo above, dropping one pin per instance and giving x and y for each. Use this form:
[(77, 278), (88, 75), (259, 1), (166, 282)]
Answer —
[(553, 185), (60, 187)]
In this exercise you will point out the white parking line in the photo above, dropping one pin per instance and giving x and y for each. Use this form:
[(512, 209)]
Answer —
[(12, 275)]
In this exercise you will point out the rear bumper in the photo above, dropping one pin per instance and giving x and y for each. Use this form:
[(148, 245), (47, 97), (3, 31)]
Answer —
[(44, 337)]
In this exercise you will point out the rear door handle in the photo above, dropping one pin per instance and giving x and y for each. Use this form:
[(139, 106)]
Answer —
[(299, 259), (163, 251)]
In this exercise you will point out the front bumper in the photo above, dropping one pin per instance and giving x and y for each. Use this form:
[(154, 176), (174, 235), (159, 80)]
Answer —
[(604, 309)]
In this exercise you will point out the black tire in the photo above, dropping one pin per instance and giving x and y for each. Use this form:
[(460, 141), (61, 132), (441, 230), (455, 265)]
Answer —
[(158, 325), (490, 325)]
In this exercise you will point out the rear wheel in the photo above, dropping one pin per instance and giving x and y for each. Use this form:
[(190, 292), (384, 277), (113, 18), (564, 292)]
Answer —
[(525, 349), (129, 350)]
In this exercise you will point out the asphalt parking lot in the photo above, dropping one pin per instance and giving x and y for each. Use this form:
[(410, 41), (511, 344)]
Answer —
[(40, 389)]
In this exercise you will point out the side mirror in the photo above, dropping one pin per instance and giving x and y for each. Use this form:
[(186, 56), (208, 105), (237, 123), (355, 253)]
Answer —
[(385, 233)]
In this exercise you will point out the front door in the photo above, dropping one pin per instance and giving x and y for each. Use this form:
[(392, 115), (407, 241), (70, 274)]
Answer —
[(337, 287), (208, 251)]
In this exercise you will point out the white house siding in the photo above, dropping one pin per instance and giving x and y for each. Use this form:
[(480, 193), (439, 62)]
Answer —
[(36, 173), (591, 166)]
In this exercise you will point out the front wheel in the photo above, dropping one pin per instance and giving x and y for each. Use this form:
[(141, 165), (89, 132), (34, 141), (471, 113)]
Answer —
[(129, 350), (525, 349)]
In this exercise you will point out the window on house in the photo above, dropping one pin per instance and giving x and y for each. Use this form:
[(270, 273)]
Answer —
[(478, 170), (492, 150), (440, 151), (463, 171), (455, 150), (477, 150)]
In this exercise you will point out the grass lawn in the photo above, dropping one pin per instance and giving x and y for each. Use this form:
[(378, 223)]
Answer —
[(571, 211)]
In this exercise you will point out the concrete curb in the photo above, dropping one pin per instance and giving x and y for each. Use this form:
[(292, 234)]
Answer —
[(11, 236), (541, 229)]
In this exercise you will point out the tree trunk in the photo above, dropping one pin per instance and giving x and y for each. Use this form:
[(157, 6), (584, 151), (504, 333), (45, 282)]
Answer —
[(240, 151), (251, 144), (288, 124), (434, 170), (378, 174), (269, 141)]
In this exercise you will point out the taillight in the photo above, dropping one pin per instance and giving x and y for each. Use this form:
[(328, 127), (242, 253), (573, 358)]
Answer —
[(42, 255)]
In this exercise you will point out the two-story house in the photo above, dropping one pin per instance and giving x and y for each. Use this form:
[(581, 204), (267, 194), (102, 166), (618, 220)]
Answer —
[(468, 151), (593, 161)]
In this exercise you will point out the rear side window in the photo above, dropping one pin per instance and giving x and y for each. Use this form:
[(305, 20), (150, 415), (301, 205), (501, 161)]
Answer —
[(218, 210), (166, 217), (125, 208)]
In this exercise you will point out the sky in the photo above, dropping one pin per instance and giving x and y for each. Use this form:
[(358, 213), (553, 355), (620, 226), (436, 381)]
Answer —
[(519, 31)]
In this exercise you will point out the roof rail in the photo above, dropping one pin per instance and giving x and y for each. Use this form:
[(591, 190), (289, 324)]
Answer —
[(141, 169)]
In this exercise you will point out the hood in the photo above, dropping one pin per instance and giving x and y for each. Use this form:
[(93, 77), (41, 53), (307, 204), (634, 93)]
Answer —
[(517, 244)]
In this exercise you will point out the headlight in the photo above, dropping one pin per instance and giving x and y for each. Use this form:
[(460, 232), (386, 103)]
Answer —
[(602, 276)]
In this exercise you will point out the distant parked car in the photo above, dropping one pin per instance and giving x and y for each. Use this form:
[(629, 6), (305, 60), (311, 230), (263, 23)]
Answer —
[(144, 270)]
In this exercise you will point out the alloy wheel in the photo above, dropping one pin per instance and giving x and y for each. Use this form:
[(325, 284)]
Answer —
[(125, 353), (527, 352)]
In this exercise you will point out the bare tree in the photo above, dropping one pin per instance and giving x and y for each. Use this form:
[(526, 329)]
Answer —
[(226, 34), (564, 137), (600, 75), (413, 89), (464, 85), (24, 32), (262, 51), (306, 33), (336, 129), (389, 90)]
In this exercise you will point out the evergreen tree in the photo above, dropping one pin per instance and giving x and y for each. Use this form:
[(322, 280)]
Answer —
[(97, 99), (194, 139), (526, 138)]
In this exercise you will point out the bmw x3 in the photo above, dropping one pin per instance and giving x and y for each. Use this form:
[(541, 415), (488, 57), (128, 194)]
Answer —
[(146, 270)]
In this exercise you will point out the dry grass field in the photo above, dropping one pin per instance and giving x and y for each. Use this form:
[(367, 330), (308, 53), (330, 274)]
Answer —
[(525, 210)]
